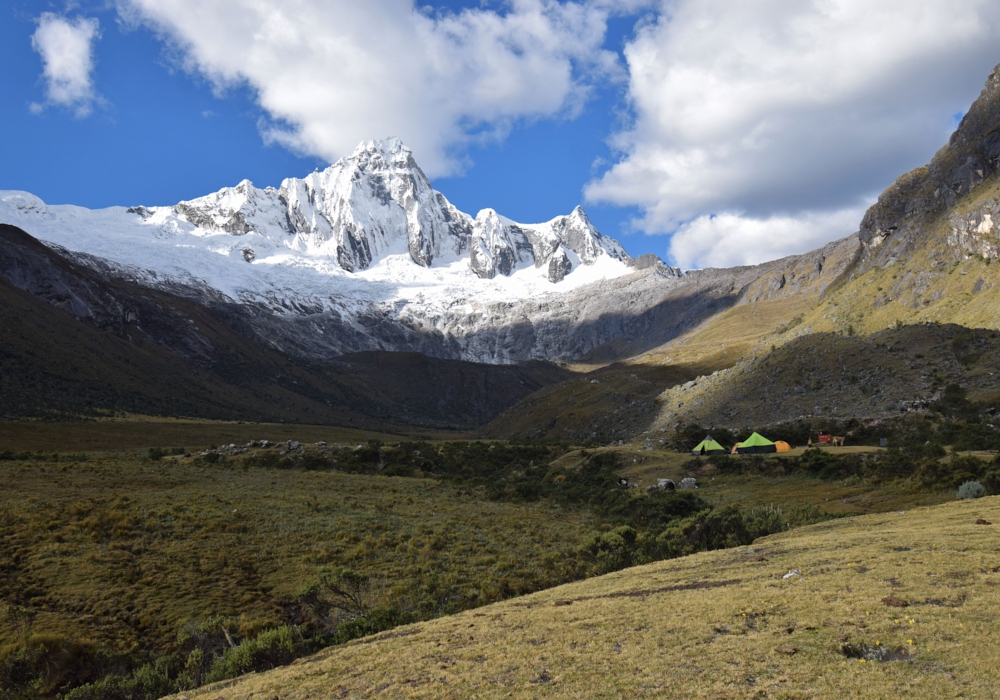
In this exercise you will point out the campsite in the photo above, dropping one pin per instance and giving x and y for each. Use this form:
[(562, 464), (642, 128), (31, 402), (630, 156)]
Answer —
[(754, 444)]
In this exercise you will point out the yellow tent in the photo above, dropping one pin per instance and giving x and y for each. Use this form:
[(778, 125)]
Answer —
[(735, 446), (782, 446)]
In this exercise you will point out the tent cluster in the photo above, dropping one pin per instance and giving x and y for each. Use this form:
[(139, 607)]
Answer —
[(755, 444)]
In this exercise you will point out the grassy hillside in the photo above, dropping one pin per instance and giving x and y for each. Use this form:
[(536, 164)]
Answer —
[(839, 377), (936, 281), (899, 605), (608, 403)]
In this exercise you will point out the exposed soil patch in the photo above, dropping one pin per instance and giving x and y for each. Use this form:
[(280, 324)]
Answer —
[(696, 585)]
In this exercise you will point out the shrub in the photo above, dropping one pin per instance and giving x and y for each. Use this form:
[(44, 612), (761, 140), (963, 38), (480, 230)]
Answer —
[(613, 550), (270, 649), (375, 620), (970, 489), (709, 529), (149, 682)]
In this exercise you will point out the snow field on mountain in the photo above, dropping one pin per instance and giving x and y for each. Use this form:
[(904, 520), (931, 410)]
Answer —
[(165, 247)]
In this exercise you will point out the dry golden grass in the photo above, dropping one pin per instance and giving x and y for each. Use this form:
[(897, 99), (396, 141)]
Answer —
[(723, 624), (728, 336), (951, 292)]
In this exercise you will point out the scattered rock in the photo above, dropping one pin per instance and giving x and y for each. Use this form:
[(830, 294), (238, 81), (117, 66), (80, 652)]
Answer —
[(790, 574), (543, 677), (983, 522), (874, 652)]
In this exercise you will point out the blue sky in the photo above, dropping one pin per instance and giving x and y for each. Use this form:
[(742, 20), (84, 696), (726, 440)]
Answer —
[(740, 132), (162, 136)]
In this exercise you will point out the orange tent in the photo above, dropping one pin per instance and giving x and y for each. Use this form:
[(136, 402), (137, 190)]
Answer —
[(782, 446), (733, 451)]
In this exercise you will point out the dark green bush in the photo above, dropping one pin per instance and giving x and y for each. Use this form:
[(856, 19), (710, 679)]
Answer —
[(613, 550), (270, 649)]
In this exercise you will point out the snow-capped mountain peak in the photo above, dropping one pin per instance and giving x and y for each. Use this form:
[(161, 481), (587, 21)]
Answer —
[(378, 202), (367, 238)]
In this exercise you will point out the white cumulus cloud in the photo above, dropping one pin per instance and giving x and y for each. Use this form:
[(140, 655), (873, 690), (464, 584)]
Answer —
[(66, 48), (331, 73), (758, 125), (724, 240)]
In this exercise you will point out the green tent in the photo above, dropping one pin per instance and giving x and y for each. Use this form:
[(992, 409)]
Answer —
[(708, 446), (756, 443)]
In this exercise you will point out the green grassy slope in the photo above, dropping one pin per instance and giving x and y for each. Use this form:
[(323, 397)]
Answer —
[(124, 552)]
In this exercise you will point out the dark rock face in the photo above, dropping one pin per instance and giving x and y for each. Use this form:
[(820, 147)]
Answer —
[(32, 267), (496, 246), (559, 266)]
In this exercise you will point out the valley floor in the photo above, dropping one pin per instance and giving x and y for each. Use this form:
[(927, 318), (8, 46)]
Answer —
[(897, 605)]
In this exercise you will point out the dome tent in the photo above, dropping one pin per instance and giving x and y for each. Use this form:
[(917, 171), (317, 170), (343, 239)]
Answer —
[(756, 443), (782, 446), (708, 446)]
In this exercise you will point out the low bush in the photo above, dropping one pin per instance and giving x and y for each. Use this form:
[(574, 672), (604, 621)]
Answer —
[(970, 489), (270, 649)]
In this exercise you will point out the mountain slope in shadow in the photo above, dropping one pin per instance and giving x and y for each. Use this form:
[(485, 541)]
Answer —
[(75, 344)]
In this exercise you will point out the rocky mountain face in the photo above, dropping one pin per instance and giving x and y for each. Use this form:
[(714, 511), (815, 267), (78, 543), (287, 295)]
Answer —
[(378, 201), (366, 255), (899, 221), (375, 201)]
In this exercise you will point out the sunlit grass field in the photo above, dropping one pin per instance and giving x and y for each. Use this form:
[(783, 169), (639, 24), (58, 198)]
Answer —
[(897, 605), (118, 558)]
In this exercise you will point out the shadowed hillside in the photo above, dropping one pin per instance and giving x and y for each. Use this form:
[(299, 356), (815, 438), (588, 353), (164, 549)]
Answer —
[(74, 344)]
